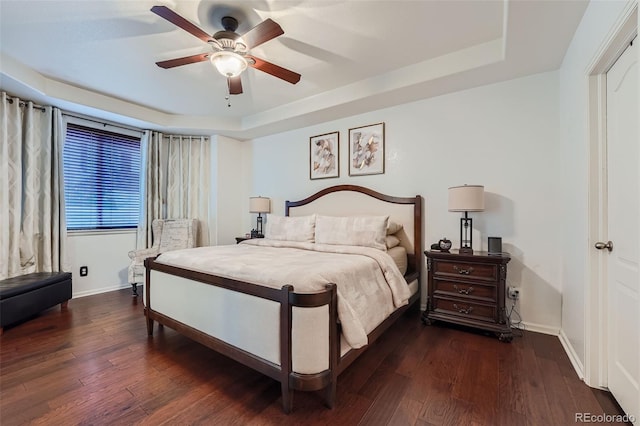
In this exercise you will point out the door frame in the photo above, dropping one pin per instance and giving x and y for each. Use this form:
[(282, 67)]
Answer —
[(625, 30)]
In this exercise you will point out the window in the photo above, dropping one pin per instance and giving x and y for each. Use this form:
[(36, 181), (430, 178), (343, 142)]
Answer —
[(101, 179)]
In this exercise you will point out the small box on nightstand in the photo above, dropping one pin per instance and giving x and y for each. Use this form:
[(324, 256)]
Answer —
[(495, 245)]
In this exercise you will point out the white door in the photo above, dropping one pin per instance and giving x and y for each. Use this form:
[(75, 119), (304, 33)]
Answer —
[(623, 154)]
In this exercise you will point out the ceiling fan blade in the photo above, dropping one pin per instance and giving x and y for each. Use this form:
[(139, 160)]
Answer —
[(235, 85), (183, 61), (174, 18), (274, 70), (263, 32)]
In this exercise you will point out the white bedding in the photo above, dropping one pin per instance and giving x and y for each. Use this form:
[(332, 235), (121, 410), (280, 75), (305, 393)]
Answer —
[(370, 286)]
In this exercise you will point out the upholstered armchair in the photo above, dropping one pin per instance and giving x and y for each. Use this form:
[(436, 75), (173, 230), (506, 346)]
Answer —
[(167, 235)]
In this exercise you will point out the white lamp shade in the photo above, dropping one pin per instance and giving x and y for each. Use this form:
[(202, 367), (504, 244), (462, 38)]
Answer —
[(229, 64), (466, 198), (259, 205)]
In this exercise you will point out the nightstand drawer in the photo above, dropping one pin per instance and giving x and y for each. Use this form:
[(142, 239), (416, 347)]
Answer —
[(465, 308), (466, 290), (480, 271)]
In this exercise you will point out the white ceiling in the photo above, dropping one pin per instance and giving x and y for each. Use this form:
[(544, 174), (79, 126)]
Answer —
[(98, 57)]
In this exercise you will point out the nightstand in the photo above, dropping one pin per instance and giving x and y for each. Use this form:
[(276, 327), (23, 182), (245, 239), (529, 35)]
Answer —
[(468, 289)]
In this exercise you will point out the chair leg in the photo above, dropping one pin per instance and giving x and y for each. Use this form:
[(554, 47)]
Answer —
[(134, 289)]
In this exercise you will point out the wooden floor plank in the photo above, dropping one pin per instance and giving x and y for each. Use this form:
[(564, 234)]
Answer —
[(441, 408), (387, 400), (406, 413), (95, 364)]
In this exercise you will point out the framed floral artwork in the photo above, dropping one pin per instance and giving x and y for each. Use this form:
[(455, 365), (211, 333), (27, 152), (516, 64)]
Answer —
[(323, 156), (366, 150)]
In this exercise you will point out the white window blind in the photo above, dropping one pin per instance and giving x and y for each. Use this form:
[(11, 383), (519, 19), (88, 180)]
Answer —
[(101, 179)]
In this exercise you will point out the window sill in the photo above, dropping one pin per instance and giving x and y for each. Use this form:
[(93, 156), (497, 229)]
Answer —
[(80, 233)]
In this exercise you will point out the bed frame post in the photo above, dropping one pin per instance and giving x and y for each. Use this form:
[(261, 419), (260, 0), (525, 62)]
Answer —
[(147, 295), (285, 348), (334, 347)]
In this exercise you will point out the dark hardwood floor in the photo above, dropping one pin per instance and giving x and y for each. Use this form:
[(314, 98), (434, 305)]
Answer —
[(94, 364)]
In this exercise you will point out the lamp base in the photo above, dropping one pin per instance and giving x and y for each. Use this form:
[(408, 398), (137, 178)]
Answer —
[(466, 234)]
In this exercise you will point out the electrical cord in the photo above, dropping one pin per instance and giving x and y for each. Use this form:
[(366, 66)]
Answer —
[(516, 325)]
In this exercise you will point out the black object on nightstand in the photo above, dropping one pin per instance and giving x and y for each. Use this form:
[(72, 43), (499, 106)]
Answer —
[(468, 289)]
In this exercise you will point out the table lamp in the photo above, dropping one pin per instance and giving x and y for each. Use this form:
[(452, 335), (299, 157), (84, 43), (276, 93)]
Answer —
[(466, 198), (259, 205)]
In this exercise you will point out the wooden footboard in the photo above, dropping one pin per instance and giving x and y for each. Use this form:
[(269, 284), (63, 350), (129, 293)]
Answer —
[(287, 299)]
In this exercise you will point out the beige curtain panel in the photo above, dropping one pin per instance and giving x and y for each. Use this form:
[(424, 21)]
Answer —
[(32, 224), (177, 181)]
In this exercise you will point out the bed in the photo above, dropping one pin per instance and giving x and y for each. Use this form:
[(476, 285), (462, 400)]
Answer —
[(304, 323)]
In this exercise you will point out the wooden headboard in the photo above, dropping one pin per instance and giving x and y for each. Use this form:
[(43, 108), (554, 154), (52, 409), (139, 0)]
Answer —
[(353, 200)]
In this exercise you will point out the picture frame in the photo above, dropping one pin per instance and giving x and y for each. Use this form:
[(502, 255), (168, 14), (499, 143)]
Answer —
[(324, 156), (366, 150)]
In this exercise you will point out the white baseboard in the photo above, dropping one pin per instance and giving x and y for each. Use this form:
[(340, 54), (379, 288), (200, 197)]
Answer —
[(539, 328), (571, 353), (100, 290), (564, 340)]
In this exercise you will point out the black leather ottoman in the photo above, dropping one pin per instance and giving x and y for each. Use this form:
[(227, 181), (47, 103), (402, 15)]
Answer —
[(24, 296)]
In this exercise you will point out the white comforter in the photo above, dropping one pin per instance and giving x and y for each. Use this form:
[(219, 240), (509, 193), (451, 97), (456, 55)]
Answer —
[(370, 286)]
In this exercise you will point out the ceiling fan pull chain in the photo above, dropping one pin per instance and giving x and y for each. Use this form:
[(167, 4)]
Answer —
[(228, 96)]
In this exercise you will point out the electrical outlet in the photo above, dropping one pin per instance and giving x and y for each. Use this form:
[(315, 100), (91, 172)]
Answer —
[(84, 271), (513, 293)]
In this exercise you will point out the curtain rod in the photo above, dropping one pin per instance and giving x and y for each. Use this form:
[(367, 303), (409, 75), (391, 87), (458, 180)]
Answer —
[(24, 103), (104, 123), (81, 117), (166, 135)]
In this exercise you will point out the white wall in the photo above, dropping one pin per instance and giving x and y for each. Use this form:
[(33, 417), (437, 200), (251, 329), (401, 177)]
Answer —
[(596, 24), (229, 189), (504, 136), (105, 255)]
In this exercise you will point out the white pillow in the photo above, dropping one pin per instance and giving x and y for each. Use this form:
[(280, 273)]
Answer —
[(286, 228), (393, 227), (367, 231), (399, 256), (392, 241)]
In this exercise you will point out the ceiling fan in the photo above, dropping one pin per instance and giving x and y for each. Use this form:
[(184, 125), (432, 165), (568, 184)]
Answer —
[(230, 53)]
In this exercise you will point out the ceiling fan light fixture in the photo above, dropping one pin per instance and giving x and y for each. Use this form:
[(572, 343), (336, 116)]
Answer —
[(228, 63)]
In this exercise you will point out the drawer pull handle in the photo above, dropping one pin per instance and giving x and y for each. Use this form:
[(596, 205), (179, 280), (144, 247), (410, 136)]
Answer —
[(462, 290), (463, 271), (463, 310)]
